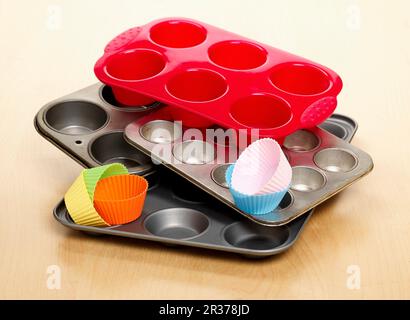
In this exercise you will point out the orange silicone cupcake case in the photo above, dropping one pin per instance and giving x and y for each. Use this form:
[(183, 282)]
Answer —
[(120, 199)]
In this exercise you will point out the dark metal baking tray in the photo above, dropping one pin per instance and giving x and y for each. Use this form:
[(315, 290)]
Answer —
[(176, 212)]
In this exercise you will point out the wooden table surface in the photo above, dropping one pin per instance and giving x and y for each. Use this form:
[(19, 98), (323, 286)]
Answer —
[(356, 245)]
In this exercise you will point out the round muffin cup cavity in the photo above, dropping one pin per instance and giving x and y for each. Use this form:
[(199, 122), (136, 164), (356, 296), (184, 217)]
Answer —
[(261, 111), (75, 117), (335, 129), (178, 34), (301, 141), (112, 148), (161, 131), (248, 235), (335, 160), (194, 152), (134, 65), (300, 79), (177, 223), (197, 85), (218, 175), (306, 179), (237, 55)]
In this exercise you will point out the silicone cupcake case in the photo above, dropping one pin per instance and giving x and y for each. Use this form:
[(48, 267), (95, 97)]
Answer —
[(256, 204), (120, 199), (79, 198), (175, 211), (322, 164), (80, 205), (212, 76), (261, 159)]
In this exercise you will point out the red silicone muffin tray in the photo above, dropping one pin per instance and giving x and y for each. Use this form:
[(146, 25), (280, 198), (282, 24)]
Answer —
[(211, 76)]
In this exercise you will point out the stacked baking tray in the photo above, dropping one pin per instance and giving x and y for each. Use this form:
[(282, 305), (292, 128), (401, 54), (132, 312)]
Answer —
[(89, 127)]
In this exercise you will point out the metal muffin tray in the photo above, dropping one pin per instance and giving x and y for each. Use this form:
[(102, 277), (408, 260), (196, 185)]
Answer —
[(189, 209), (178, 213), (88, 125), (322, 163)]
